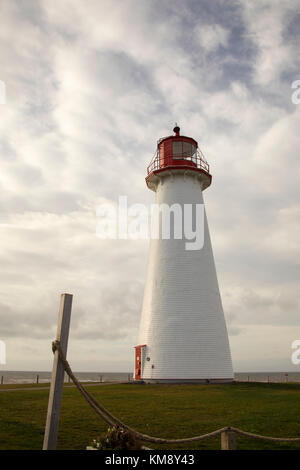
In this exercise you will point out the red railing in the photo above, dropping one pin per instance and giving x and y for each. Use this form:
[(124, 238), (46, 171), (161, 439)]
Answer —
[(197, 161)]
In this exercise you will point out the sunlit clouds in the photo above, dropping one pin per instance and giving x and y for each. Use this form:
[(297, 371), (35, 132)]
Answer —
[(90, 87)]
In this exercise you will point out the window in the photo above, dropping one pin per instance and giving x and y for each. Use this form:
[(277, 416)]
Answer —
[(183, 149), (177, 149), (186, 149)]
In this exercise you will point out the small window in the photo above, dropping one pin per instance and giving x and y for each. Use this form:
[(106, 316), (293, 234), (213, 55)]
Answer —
[(186, 149), (183, 149), (177, 149)]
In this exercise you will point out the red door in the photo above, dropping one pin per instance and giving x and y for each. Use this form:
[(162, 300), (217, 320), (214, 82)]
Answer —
[(138, 362)]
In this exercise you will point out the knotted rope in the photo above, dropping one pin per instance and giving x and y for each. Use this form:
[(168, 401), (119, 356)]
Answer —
[(113, 421)]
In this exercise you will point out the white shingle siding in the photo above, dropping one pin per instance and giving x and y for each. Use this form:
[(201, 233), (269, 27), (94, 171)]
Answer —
[(182, 320)]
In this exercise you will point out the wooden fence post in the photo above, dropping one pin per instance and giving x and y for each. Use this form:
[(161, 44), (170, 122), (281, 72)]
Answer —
[(228, 440), (57, 378)]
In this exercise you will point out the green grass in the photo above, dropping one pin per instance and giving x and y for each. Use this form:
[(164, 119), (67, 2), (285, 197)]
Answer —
[(34, 385), (175, 411)]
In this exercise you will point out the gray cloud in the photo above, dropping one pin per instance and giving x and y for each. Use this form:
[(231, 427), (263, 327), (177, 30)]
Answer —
[(90, 89)]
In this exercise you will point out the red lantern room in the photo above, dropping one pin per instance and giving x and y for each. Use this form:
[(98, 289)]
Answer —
[(178, 152)]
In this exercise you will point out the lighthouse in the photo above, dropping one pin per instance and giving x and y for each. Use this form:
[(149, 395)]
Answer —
[(183, 336)]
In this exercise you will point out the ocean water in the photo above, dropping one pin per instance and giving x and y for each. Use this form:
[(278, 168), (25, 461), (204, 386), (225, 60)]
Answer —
[(27, 377), (21, 377)]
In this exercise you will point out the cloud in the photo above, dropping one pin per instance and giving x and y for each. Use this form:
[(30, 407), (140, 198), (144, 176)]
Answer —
[(266, 24), (212, 37), (90, 89)]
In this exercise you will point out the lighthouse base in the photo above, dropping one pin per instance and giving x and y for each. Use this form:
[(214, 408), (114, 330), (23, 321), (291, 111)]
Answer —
[(189, 381)]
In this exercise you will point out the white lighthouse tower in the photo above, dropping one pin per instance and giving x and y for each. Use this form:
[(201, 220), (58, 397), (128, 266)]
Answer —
[(183, 336)]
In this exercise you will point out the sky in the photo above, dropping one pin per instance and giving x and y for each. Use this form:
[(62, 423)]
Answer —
[(91, 86)]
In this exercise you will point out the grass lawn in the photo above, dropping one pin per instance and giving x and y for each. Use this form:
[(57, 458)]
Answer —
[(35, 385), (174, 411)]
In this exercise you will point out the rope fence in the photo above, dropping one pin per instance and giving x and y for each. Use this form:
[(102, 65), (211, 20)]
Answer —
[(227, 433)]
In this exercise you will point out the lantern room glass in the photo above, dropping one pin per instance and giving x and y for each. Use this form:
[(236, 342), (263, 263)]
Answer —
[(182, 149)]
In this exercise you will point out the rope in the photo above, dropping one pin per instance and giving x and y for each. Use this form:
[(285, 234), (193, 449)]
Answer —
[(265, 438), (113, 421)]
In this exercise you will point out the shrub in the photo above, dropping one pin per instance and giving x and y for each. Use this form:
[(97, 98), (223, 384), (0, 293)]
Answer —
[(116, 438)]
